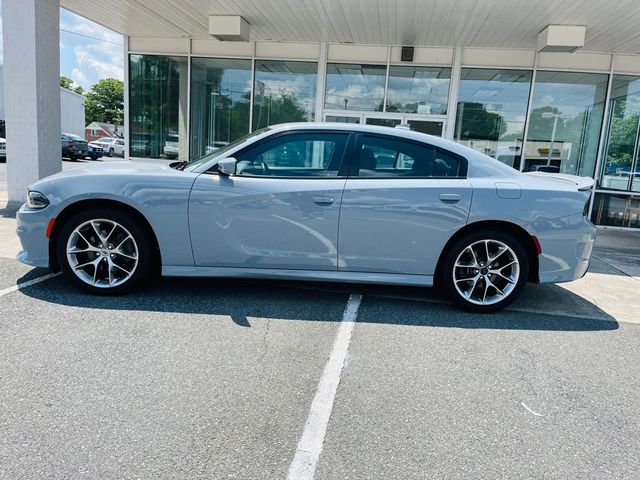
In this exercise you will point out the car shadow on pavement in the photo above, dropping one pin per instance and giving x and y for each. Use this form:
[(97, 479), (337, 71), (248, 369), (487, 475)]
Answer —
[(242, 300)]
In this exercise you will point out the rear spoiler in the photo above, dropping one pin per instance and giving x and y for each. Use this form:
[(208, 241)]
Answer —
[(583, 183)]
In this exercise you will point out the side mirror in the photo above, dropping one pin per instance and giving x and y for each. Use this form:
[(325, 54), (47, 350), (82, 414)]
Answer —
[(227, 166)]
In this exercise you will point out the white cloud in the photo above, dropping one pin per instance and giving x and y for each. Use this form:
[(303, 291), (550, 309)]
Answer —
[(91, 52), (95, 61), (78, 77)]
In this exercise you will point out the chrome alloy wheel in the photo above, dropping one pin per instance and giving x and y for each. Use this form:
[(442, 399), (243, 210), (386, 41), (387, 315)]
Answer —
[(486, 272), (102, 253)]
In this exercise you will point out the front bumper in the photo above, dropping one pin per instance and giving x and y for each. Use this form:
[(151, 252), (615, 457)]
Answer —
[(566, 244), (32, 231)]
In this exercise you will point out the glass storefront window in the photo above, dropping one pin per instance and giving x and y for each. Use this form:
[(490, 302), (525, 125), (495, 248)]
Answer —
[(158, 106), (355, 87), (492, 109), (220, 98), (620, 169), (565, 122), (616, 210), (284, 92), (418, 89)]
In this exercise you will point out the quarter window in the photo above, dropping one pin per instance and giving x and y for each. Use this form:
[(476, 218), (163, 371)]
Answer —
[(386, 157), (295, 155)]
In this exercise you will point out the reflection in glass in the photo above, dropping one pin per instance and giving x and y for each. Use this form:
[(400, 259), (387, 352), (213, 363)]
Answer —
[(616, 210), (220, 98), (565, 121), (492, 108), (432, 127), (620, 169), (418, 89), (284, 92), (355, 87), (158, 106)]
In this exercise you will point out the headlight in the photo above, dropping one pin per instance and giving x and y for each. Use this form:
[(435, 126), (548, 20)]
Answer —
[(36, 200)]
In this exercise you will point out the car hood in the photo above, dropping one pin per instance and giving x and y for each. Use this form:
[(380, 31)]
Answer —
[(583, 183), (125, 167)]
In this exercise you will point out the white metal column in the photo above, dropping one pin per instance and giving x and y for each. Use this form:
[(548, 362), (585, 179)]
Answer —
[(603, 139), (321, 82), (31, 39), (454, 87), (523, 151), (127, 136)]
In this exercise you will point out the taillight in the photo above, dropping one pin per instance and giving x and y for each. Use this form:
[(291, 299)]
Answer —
[(72, 144)]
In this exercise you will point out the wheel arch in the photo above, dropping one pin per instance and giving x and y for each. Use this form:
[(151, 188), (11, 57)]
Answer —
[(517, 231), (78, 206)]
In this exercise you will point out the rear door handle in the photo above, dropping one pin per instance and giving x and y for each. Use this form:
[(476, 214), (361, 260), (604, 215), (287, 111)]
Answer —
[(450, 197), (323, 199)]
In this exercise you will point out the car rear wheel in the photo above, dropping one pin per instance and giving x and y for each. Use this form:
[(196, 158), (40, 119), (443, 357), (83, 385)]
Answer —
[(485, 271), (104, 251)]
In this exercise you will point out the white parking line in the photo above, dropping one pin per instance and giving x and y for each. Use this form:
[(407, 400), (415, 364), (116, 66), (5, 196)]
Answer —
[(303, 466), (28, 283)]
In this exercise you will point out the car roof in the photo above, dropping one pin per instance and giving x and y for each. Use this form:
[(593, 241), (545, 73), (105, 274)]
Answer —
[(479, 159), (480, 165)]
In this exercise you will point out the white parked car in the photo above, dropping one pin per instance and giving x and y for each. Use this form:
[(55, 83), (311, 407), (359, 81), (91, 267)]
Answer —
[(171, 146), (3, 148), (111, 146)]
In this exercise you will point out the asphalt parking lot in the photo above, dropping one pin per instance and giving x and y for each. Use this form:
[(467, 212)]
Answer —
[(195, 379), (215, 379)]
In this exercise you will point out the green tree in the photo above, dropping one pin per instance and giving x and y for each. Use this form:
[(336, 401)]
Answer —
[(478, 123), (67, 83), (624, 128), (105, 102), (277, 107)]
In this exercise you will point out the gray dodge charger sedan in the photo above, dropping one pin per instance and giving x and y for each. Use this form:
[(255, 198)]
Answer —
[(323, 202)]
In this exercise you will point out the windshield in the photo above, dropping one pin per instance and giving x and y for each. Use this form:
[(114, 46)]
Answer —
[(222, 150)]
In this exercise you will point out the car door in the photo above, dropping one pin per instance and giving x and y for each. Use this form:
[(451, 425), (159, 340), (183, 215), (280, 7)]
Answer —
[(402, 201), (281, 208)]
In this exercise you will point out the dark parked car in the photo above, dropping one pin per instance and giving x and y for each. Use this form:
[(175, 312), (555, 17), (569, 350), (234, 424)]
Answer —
[(95, 152), (73, 146)]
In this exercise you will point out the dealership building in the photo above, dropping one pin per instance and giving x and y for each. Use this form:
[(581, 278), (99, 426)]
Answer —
[(542, 85)]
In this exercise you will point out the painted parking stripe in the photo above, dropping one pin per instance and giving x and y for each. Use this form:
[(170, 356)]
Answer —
[(303, 466), (28, 283)]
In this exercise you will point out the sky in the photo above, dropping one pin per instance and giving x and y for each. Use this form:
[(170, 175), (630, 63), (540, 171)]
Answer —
[(88, 51)]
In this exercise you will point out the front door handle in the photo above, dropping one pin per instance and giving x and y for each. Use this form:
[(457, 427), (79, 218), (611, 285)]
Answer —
[(323, 199), (450, 197)]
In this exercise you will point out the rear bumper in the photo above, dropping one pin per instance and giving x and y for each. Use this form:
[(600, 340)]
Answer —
[(566, 244)]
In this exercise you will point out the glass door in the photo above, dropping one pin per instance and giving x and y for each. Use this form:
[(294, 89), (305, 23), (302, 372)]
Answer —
[(342, 118), (430, 124), (383, 121), (423, 124)]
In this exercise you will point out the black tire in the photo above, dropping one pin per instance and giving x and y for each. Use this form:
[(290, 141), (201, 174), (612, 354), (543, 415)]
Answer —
[(483, 279), (111, 152), (141, 273)]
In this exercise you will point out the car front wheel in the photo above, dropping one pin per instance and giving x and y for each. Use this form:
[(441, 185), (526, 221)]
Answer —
[(485, 271), (111, 152), (104, 251)]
